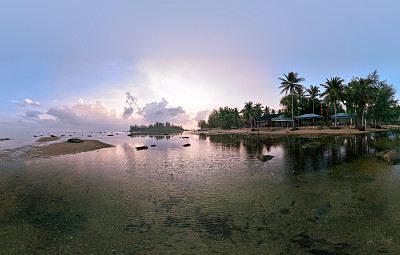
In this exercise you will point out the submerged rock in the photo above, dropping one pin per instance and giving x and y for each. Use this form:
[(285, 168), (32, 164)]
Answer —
[(311, 145), (153, 145), (391, 156), (142, 148), (186, 145), (265, 158), (74, 140)]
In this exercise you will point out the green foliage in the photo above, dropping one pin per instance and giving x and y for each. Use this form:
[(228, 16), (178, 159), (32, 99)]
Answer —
[(157, 128), (224, 117), (333, 93)]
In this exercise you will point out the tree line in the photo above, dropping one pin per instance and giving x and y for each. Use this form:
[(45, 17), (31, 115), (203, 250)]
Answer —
[(370, 99), (157, 128)]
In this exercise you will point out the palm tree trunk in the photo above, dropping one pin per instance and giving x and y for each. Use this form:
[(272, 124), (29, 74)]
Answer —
[(292, 105), (334, 105)]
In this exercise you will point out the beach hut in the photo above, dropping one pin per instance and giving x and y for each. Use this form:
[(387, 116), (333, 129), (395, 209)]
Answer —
[(307, 117), (266, 120), (281, 121), (344, 118)]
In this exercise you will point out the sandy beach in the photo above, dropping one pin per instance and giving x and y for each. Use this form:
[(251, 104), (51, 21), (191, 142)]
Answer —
[(303, 131), (51, 150)]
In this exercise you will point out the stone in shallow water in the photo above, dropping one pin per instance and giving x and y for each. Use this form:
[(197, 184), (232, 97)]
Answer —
[(311, 145), (74, 140), (265, 158), (391, 156)]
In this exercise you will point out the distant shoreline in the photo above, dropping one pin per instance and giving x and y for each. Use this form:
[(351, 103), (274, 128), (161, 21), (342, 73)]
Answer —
[(311, 131)]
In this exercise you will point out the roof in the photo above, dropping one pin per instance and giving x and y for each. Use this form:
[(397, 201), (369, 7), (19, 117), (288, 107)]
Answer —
[(281, 118), (268, 117), (344, 115), (309, 116)]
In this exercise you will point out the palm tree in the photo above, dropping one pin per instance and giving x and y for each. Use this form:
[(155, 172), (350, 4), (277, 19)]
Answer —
[(291, 84), (333, 92), (247, 112), (313, 93)]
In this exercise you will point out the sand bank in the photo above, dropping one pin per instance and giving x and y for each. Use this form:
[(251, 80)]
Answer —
[(303, 131), (48, 139), (51, 150)]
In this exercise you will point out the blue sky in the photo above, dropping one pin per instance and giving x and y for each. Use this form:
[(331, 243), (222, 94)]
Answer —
[(88, 62)]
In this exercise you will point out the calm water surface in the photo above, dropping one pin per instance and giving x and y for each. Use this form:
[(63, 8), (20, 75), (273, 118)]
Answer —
[(215, 196)]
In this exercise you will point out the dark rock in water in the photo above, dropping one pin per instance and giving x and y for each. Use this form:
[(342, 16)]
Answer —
[(153, 145), (391, 156), (142, 148), (4, 139), (35, 136), (186, 145), (166, 134), (110, 135), (89, 136), (75, 140), (265, 158), (62, 135), (185, 136), (284, 211), (53, 136), (311, 145)]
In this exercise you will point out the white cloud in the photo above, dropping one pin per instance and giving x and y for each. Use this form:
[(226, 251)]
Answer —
[(201, 115), (28, 102), (161, 112)]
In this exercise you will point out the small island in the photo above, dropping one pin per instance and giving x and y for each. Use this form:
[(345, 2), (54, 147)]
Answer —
[(158, 128)]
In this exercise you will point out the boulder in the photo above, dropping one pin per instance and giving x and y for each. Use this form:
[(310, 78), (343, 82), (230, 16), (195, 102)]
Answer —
[(74, 140), (265, 158), (391, 156), (186, 145), (311, 145), (153, 145), (142, 148)]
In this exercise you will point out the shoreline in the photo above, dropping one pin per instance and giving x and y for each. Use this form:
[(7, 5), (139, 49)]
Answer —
[(310, 131), (51, 150)]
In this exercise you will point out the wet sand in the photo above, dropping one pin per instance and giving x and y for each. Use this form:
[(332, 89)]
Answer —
[(51, 150), (48, 139)]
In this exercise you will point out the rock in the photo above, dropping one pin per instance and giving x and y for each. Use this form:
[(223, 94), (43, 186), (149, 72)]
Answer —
[(265, 158), (89, 136), (391, 156), (186, 145), (53, 136), (110, 135), (142, 148), (4, 139), (185, 137), (74, 140), (311, 145), (153, 145)]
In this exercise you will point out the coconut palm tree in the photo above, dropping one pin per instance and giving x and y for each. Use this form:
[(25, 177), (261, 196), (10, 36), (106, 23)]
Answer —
[(313, 93), (333, 92), (291, 84), (247, 112)]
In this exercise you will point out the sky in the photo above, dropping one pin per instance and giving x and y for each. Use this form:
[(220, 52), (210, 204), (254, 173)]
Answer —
[(105, 65)]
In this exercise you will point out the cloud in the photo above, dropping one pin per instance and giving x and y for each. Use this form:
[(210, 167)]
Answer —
[(161, 112), (201, 115), (31, 114), (28, 102), (131, 102)]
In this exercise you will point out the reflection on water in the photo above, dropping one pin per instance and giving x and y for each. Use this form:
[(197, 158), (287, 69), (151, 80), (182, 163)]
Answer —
[(315, 196)]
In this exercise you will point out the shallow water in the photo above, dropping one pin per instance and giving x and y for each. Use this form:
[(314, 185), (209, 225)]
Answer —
[(215, 196)]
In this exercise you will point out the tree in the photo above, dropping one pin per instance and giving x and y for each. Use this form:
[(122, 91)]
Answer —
[(333, 92), (247, 112), (313, 93), (267, 111), (291, 84), (257, 111)]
